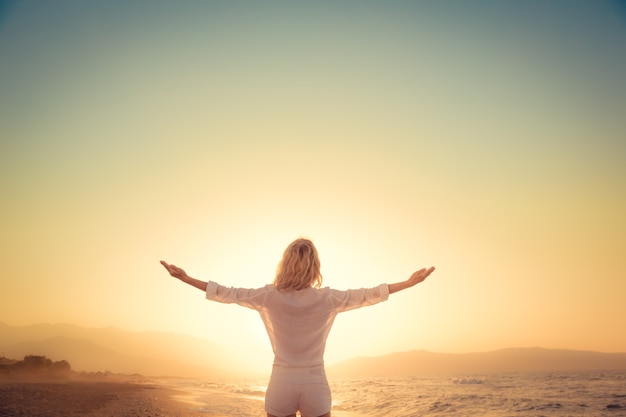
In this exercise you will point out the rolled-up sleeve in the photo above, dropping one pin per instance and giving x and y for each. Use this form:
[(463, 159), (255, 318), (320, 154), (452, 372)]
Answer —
[(245, 297), (351, 299)]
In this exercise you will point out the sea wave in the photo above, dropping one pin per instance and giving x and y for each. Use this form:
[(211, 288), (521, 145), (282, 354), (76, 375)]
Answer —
[(464, 380), (558, 394)]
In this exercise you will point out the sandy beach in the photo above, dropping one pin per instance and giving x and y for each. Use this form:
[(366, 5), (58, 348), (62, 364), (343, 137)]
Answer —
[(117, 397), (121, 396)]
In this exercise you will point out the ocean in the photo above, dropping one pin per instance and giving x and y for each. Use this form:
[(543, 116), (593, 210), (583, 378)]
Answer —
[(558, 394)]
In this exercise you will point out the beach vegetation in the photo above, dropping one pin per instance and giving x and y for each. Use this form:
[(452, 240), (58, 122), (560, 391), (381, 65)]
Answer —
[(34, 364)]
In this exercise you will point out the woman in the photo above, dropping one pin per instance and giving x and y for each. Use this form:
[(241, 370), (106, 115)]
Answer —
[(298, 315)]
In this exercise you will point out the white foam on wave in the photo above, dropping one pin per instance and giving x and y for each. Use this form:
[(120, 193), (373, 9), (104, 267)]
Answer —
[(467, 380)]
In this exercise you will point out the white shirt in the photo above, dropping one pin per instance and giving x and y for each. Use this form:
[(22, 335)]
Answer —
[(298, 322)]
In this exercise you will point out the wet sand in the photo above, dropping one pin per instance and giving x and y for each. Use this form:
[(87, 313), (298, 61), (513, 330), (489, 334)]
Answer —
[(90, 398), (110, 396)]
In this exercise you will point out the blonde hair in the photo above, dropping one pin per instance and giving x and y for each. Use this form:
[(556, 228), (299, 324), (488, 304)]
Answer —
[(299, 268)]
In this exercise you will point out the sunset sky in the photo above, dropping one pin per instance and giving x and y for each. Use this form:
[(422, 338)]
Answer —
[(485, 138)]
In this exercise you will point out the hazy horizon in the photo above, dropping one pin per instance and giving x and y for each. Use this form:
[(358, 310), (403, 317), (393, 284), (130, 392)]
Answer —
[(484, 138), (176, 355), (216, 341)]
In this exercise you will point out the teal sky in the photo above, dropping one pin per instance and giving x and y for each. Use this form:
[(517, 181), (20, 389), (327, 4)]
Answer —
[(485, 138)]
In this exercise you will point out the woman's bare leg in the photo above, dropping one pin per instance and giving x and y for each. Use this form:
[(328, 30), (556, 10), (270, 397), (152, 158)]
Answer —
[(293, 415)]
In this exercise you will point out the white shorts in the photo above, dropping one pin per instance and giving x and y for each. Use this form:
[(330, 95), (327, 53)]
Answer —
[(293, 389)]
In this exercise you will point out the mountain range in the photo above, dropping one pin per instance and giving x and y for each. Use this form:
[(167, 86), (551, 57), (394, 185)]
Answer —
[(503, 360), (171, 354), (113, 350)]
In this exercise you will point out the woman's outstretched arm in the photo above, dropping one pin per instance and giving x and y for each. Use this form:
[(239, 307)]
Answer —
[(415, 279), (180, 273)]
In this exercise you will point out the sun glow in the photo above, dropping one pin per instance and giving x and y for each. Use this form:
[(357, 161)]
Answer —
[(402, 135)]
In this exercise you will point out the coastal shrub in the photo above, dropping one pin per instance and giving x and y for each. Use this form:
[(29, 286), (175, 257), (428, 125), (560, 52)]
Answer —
[(34, 363)]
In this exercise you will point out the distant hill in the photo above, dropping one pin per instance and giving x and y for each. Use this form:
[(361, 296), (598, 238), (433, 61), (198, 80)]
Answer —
[(171, 354), (505, 360), (114, 350)]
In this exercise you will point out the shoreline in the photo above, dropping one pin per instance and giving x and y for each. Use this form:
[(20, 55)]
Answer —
[(115, 395), (92, 397)]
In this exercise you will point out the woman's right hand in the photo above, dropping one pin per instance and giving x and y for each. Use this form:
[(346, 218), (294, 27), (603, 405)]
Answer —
[(175, 271), (414, 279)]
